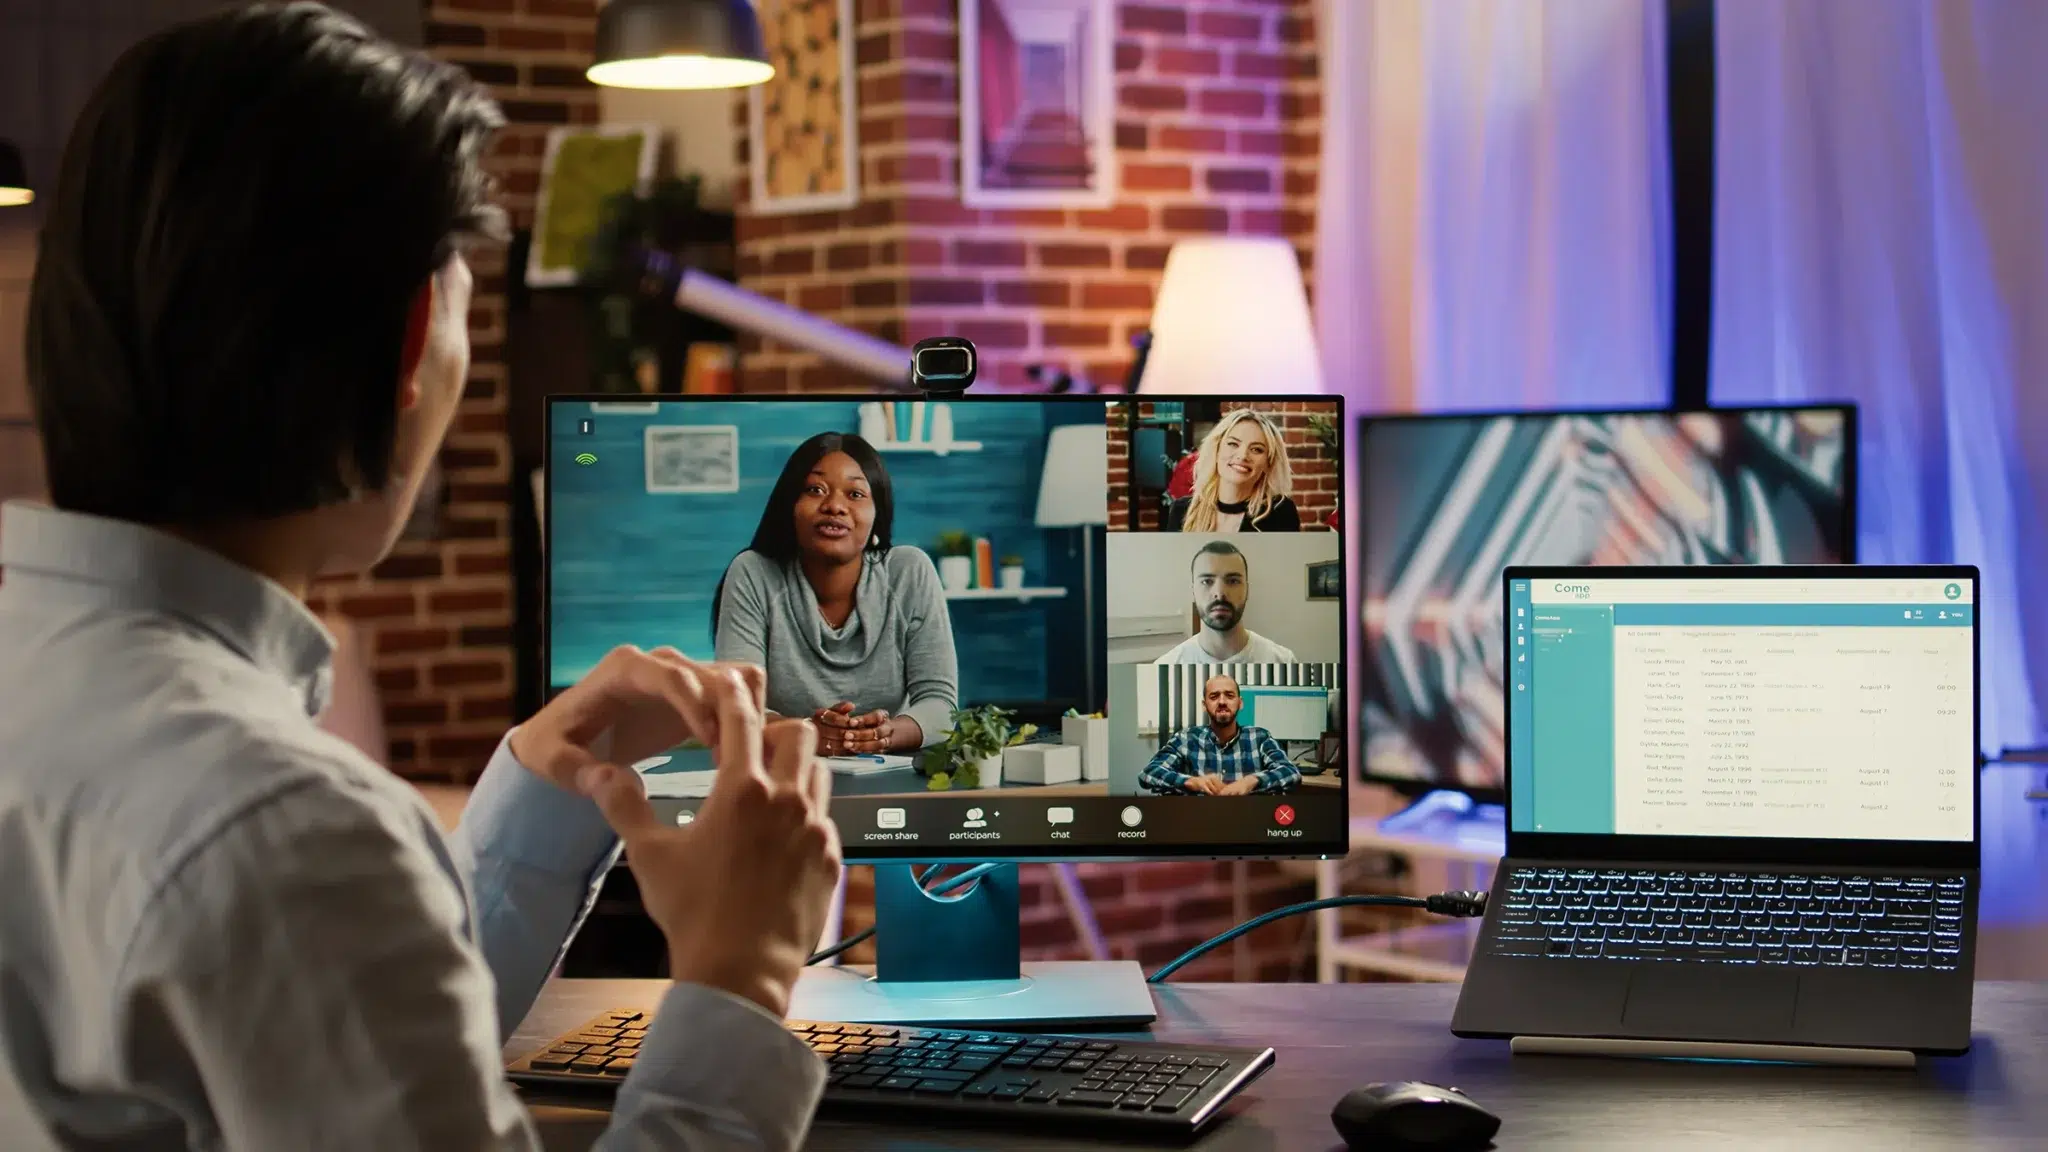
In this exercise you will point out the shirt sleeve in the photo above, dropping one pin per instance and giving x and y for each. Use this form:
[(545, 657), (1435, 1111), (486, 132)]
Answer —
[(1276, 773), (931, 662), (741, 636), (533, 857), (1166, 772), (306, 972)]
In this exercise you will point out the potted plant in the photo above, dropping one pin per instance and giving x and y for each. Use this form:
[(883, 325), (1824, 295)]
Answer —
[(1013, 572), (956, 560), (971, 755)]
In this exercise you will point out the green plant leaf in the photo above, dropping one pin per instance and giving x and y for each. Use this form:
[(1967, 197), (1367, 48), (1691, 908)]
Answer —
[(968, 775), (940, 782)]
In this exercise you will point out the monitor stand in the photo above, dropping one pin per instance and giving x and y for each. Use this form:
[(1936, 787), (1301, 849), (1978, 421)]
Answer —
[(954, 961), (1446, 814)]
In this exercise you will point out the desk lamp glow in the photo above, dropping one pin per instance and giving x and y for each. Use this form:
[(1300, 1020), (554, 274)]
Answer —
[(1232, 320), (679, 44), (14, 189)]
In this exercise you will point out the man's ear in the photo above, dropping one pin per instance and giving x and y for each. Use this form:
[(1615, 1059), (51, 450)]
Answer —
[(416, 318)]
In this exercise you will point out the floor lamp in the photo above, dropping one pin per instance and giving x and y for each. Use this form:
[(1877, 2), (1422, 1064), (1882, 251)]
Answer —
[(1232, 319), (1073, 492)]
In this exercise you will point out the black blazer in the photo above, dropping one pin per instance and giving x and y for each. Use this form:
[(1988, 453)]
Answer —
[(1283, 516)]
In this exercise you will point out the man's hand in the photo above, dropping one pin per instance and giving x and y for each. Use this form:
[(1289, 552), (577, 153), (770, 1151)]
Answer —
[(633, 705), (1242, 786), (741, 892), (1206, 785)]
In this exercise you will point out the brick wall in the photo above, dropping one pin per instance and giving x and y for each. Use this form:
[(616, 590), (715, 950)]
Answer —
[(1216, 131), (437, 614), (1315, 469)]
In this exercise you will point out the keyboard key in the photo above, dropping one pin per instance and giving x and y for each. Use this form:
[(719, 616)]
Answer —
[(1172, 1099), (931, 1087), (1081, 1098), (862, 1080), (898, 1084), (550, 1063), (977, 1091), (1009, 1091), (1040, 1095)]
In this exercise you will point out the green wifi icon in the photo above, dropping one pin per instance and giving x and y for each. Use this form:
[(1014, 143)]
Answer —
[(586, 458)]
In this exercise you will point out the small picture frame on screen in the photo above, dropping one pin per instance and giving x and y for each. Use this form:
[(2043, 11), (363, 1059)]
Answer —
[(687, 459), (1324, 582)]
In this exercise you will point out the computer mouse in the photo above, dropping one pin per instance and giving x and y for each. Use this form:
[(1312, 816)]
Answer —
[(1412, 1116)]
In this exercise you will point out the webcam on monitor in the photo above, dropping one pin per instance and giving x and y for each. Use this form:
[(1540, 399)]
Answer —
[(943, 366)]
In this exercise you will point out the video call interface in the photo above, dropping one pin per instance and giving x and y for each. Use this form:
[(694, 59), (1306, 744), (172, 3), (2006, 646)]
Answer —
[(1036, 626), (1446, 502)]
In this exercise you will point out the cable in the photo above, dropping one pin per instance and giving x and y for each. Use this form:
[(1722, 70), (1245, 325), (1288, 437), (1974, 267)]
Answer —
[(943, 887), (1442, 904)]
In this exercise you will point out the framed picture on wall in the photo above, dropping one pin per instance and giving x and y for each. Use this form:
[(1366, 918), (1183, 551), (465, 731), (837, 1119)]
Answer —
[(693, 458), (1037, 103), (1323, 581), (803, 151), (582, 169)]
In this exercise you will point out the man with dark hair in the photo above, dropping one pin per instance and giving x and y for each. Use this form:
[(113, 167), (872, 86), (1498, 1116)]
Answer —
[(1220, 757), (1220, 580), (223, 927)]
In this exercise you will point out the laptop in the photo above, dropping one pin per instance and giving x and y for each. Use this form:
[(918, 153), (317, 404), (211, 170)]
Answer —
[(1742, 813)]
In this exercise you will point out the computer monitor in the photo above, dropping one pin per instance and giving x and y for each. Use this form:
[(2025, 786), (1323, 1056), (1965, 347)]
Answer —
[(1445, 502), (1064, 680)]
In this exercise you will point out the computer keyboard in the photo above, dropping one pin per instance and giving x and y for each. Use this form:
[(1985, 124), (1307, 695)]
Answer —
[(1737, 917), (1017, 1078)]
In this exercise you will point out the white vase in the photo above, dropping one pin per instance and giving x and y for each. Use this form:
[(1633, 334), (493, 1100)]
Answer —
[(992, 771), (1013, 577), (956, 573), (872, 429)]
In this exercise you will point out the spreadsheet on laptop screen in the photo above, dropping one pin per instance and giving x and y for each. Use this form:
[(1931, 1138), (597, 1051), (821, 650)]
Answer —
[(1796, 708)]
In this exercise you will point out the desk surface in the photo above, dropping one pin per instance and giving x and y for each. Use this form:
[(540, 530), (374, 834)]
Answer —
[(1334, 1037)]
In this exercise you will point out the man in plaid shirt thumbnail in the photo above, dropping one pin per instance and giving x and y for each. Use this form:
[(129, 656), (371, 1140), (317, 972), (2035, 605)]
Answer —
[(1220, 758)]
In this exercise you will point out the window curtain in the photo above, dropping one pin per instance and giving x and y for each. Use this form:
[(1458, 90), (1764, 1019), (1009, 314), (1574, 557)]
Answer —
[(1493, 221), (1881, 236)]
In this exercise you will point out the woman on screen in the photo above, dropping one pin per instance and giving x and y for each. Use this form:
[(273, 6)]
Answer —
[(1242, 480), (852, 630)]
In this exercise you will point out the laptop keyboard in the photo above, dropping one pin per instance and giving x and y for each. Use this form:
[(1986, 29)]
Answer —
[(1733, 917)]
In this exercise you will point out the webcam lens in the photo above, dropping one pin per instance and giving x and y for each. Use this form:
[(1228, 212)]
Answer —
[(940, 362)]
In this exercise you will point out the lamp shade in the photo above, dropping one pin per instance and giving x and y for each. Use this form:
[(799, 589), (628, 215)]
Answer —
[(1074, 490), (678, 44), (14, 187), (1232, 320)]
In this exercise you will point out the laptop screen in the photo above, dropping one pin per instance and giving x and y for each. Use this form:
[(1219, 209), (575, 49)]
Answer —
[(1812, 707)]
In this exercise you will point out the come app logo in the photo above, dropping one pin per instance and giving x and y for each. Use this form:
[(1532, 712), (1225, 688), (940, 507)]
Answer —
[(1580, 591)]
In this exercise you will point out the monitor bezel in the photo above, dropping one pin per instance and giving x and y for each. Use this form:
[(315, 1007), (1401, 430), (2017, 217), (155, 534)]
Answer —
[(1412, 786), (1337, 847), (1817, 851)]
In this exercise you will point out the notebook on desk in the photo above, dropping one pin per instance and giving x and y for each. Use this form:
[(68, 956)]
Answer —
[(866, 765)]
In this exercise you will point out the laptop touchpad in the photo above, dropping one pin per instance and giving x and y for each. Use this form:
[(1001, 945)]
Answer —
[(1711, 1002)]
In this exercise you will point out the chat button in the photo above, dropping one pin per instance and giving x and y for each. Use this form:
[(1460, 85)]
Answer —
[(1060, 815)]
